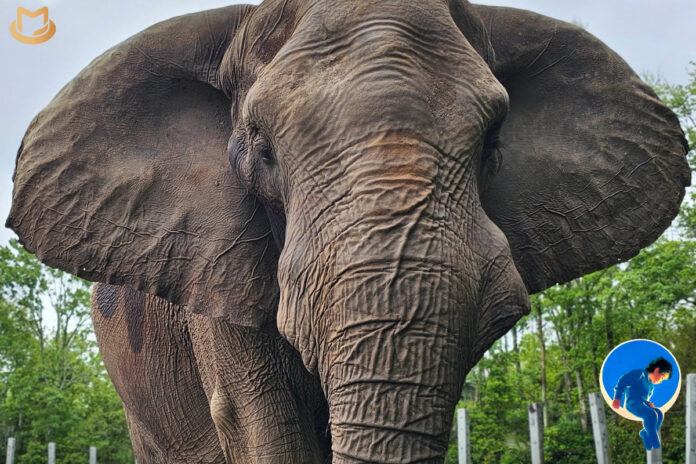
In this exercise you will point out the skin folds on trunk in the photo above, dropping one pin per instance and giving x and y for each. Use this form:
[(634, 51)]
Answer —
[(393, 372), (394, 314), (390, 379)]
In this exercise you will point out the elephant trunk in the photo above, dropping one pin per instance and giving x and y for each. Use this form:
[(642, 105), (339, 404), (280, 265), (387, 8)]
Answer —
[(393, 370), (392, 382), (392, 300)]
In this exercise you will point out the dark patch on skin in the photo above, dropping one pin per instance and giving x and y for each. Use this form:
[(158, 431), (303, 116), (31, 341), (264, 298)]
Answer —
[(134, 304), (107, 297)]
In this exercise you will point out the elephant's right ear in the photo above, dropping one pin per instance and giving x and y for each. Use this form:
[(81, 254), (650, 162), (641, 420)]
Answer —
[(124, 177)]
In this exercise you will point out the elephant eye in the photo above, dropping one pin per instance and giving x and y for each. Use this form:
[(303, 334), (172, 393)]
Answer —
[(491, 141), (491, 158), (267, 156), (263, 149)]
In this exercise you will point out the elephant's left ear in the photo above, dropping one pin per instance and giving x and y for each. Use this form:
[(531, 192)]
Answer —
[(124, 177), (594, 165)]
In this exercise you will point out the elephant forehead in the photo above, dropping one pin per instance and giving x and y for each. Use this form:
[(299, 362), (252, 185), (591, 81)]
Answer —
[(337, 120), (292, 50), (377, 73), (330, 38), (327, 19)]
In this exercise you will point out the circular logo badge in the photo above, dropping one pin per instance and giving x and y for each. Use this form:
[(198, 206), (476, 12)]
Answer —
[(629, 375)]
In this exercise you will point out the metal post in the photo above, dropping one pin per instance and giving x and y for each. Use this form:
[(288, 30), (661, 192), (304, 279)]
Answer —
[(655, 456), (463, 439), (92, 455), (51, 453), (691, 419), (599, 428), (10, 451), (536, 434)]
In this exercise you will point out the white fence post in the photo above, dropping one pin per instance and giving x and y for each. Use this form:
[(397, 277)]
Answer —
[(599, 428), (92, 455), (463, 439), (536, 433), (51, 453), (655, 456), (691, 419), (10, 451)]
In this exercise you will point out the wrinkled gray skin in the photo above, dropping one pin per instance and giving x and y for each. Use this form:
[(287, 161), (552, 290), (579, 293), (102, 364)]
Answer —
[(361, 212), (181, 376)]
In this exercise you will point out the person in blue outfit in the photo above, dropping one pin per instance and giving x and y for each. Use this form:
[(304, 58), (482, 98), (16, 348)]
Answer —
[(638, 386)]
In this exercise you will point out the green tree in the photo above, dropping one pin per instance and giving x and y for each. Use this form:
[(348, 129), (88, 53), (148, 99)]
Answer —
[(53, 386), (682, 99)]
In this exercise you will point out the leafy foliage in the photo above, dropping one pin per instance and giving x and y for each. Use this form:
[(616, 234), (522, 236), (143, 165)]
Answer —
[(53, 386), (682, 99)]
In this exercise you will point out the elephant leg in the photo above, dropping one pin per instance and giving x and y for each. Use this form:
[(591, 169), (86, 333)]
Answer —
[(266, 407), (147, 351), (147, 449)]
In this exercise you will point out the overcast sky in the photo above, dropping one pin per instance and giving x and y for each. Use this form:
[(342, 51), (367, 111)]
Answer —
[(654, 37)]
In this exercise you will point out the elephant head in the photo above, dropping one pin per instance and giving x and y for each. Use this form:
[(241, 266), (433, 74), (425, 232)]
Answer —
[(363, 202)]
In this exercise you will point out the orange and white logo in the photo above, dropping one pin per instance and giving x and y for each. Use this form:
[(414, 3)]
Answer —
[(21, 31)]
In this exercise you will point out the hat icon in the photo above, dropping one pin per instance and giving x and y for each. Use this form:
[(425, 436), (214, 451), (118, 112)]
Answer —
[(38, 36)]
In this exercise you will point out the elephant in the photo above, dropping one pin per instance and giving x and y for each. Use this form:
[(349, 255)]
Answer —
[(310, 219)]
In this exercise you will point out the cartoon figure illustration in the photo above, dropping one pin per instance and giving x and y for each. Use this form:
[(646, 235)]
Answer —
[(638, 386)]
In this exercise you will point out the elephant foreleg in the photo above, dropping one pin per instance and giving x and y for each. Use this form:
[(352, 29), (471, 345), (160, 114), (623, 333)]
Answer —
[(266, 407), (145, 345)]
